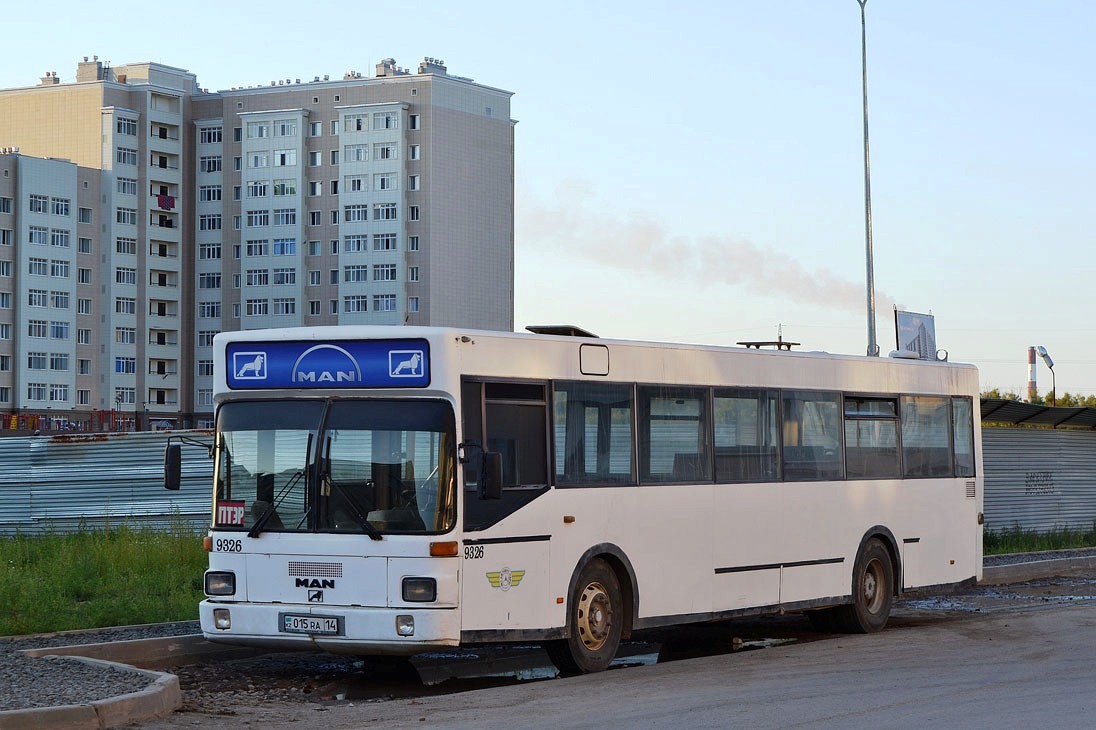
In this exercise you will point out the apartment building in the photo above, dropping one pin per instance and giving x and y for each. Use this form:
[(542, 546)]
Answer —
[(380, 200)]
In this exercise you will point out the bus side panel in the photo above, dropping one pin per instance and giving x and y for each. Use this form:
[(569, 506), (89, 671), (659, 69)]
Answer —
[(815, 540), (745, 556), (504, 585)]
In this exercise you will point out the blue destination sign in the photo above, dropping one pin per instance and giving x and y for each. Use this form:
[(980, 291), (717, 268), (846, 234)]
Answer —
[(338, 364)]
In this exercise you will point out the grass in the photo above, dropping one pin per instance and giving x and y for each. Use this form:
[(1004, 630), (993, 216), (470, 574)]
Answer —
[(120, 576), (107, 577), (1016, 540)]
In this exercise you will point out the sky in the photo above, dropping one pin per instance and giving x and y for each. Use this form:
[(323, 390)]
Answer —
[(694, 171)]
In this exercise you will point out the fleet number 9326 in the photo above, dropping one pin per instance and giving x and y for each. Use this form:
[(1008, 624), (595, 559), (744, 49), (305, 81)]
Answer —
[(227, 545)]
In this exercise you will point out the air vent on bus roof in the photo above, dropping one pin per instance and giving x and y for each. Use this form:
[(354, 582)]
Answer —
[(563, 330)]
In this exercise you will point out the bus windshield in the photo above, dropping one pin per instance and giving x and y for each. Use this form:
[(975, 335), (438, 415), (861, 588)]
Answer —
[(366, 466)]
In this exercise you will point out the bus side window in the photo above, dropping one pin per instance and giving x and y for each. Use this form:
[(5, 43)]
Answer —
[(510, 419), (593, 433)]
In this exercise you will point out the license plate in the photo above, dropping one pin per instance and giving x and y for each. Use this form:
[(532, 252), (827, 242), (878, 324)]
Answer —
[(301, 624)]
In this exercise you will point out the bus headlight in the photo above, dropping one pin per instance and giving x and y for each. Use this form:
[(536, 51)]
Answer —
[(220, 584), (420, 590), (222, 619), (405, 625)]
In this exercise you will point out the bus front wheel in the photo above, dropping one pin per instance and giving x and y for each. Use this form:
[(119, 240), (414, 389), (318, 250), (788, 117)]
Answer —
[(873, 591), (595, 620)]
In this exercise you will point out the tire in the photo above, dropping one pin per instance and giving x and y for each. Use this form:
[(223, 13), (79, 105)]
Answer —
[(873, 591), (594, 622)]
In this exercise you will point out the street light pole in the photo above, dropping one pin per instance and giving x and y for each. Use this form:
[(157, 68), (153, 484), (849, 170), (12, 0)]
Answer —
[(1053, 381), (873, 346)]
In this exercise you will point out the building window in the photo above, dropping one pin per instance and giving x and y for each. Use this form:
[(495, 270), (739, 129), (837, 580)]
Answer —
[(58, 269), (5, 205), (209, 163), (412, 243), (125, 396), (125, 305), (125, 156), (285, 216), (125, 126), (40, 236), (285, 158), (384, 302), (356, 183), (125, 335), (127, 186), (385, 120), (257, 130), (258, 159), (209, 193), (413, 213), (6, 237), (126, 246), (314, 278), (285, 128), (384, 272), (384, 211), (356, 303), (285, 187), (36, 391), (59, 238), (59, 206), (36, 361), (285, 246), (38, 267), (285, 306), (256, 218), (127, 365), (412, 273), (37, 328), (285, 276), (355, 122), (315, 187), (39, 203), (84, 245), (205, 338), (315, 218), (412, 182), (356, 273), (210, 280), (59, 330), (315, 129), (314, 307), (207, 310), (58, 393), (59, 299), (83, 306), (413, 121), (384, 181), (83, 276), (384, 151), (209, 251), (257, 307), (237, 132), (258, 248), (354, 244), (258, 189), (384, 241), (209, 222), (258, 277), (412, 304), (315, 159), (413, 152), (209, 135), (237, 163), (354, 213), (83, 336), (37, 297), (128, 216), (355, 153)]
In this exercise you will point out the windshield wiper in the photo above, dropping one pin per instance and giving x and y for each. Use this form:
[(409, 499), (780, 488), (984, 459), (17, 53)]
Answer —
[(273, 506), (370, 529)]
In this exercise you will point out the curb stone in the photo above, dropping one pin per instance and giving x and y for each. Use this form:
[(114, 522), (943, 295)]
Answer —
[(162, 697)]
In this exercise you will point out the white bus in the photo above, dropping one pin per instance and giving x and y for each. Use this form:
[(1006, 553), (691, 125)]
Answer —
[(382, 490)]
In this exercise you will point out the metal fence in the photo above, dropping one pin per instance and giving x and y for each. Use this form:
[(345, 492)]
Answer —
[(1035, 479), (1039, 479), (63, 482)]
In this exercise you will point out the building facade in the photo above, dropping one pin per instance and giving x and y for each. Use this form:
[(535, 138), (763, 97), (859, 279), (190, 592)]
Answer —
[(383, 200)]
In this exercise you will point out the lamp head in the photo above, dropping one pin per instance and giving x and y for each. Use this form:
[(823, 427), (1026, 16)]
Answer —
[(1045, 355)]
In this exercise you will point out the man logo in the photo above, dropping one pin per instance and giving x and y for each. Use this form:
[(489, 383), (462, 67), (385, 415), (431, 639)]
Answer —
[(249, 365), (326, 364), (315, 596), (405, 363)]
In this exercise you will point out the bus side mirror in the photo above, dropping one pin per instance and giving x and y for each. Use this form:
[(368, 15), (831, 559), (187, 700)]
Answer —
[(491, 476), (173, 466)]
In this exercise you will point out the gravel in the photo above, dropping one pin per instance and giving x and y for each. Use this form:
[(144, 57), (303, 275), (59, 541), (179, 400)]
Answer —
[(52, 681)]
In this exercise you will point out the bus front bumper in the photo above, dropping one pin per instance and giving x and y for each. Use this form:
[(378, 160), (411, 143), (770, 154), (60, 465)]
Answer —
[(337, 629)]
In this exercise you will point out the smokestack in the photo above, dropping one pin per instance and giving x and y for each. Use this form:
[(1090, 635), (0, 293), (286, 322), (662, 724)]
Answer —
[(1032, 391)]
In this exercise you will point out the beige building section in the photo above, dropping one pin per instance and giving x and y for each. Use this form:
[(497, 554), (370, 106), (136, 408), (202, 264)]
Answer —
[(383, 200)]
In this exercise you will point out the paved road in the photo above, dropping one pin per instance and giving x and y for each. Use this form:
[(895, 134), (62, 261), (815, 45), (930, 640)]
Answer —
[(1017, 663)]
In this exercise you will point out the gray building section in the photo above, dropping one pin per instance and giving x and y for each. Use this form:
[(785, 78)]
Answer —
[(384, 200)]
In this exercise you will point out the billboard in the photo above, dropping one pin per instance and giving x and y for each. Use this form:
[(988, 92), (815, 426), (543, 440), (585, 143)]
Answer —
[(916, 333)]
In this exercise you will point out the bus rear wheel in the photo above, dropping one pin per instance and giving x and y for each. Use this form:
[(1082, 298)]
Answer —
[(594, 622), (873, 591)]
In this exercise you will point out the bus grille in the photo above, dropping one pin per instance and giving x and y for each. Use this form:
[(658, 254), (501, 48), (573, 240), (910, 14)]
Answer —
[(315, 570)]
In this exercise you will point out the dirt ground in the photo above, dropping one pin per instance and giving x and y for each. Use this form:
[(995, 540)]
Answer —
[(290, 689)]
